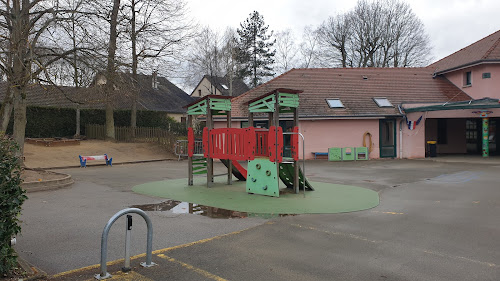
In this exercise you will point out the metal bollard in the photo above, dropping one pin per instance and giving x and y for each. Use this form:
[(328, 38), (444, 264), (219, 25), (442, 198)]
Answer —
[(104, 241)]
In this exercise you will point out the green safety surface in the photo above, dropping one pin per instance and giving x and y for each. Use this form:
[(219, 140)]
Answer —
[(327, 198)]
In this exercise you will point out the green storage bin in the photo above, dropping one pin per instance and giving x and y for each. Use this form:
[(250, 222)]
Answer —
[(335, 154), (362, 153), (348, 154)]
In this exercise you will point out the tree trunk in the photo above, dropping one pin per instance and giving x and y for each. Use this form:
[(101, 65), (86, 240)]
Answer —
[(110, 79), (21, 65), (133, 112), (6, 109), (77, 134), (19, 119), (75, 74)]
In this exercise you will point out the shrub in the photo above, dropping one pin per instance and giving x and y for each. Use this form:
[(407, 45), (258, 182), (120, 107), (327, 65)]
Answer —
[(12, 197)]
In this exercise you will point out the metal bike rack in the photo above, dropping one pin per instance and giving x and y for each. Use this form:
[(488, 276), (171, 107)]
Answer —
[(104, 241)]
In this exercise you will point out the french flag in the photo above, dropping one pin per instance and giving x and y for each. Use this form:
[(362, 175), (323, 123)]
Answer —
[(413, 124)]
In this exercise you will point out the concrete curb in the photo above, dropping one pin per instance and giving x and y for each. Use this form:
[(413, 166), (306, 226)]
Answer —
[(114, 163), (32, 272), (35, 186)]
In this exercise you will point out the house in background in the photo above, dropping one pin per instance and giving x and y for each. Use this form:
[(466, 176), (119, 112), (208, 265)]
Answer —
[(471, 127), (155, 93), (215, 85), (395, 111)]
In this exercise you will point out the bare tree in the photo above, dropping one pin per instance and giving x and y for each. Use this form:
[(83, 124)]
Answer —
[(205, 57), (111, 71), (334, 37), (24, 24), (381, 33), (158, 30), (286, 51), (308, 48), (229, 54)]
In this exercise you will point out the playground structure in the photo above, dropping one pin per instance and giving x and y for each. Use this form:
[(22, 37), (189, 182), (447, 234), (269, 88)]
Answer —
[(262, 148)]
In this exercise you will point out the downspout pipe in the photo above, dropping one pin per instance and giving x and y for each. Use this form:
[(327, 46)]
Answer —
[(401, 133), (401, 139)]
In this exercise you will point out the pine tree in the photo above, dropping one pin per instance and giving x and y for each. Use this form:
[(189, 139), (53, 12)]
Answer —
[(254, 50)]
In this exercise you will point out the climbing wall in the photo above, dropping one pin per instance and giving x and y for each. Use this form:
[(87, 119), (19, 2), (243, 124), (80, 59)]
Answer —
[(262, 177)]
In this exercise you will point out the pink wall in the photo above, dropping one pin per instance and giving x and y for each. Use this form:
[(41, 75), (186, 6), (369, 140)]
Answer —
[(480, 88), (322, 134), (413, 143)]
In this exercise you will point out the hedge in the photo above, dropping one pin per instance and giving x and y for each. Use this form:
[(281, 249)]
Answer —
[(12, 197), (46, 122)]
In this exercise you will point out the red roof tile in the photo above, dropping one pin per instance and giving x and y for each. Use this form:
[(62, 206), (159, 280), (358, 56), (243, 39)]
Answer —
[(349, 85), (484, 50)]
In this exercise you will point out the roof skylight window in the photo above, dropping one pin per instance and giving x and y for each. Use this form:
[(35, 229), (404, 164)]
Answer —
[(224, 86), (335, 103), (383, 102)]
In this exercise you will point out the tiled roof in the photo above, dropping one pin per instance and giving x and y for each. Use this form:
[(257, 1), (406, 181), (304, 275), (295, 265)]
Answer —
[(356, 88), (167, 97), (484, 50), (239, 87)]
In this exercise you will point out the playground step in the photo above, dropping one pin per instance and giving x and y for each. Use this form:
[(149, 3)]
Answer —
[(199, 166)]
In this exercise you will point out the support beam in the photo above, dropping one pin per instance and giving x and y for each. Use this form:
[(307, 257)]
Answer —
[(210, 161), (276, 117), (230, 166), (296, 163), (190, 158), (250, 119)]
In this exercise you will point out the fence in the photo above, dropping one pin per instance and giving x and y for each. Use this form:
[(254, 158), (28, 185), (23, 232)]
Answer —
[(181, 148), (139, 134)]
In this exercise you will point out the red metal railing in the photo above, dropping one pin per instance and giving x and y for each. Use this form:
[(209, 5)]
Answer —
[(261, 139), (230, 143)]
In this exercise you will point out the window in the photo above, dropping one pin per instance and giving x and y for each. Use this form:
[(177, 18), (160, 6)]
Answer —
[(199, 93), (442, 132), (383, 102), (256, 124), (468, 78), (486, 75), (335, 103), (224, 86)]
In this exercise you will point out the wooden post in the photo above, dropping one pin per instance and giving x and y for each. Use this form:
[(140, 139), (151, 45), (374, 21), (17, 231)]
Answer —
[(229, 145), (296, 162), (276, 117), (210, 161), (250, 119), (190, 158)]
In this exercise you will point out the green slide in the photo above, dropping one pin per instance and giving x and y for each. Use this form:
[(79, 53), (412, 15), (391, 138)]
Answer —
[(286, 176)]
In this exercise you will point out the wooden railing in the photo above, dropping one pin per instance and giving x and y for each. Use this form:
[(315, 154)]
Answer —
[(139, 134)]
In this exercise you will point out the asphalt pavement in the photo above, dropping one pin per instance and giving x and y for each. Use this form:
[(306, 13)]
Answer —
[(435, 221)]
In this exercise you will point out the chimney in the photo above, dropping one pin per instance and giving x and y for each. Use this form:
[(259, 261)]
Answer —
[(154, 79)]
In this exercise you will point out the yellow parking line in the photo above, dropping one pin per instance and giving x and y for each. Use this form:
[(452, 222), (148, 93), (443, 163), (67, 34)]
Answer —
[(389, 213), (200, 271), (96, 266)]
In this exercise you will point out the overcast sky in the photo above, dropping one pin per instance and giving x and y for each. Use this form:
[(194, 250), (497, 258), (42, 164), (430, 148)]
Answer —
[(451, 24)]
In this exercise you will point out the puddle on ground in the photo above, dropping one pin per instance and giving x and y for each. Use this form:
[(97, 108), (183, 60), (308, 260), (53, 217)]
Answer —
[(178, 207)]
